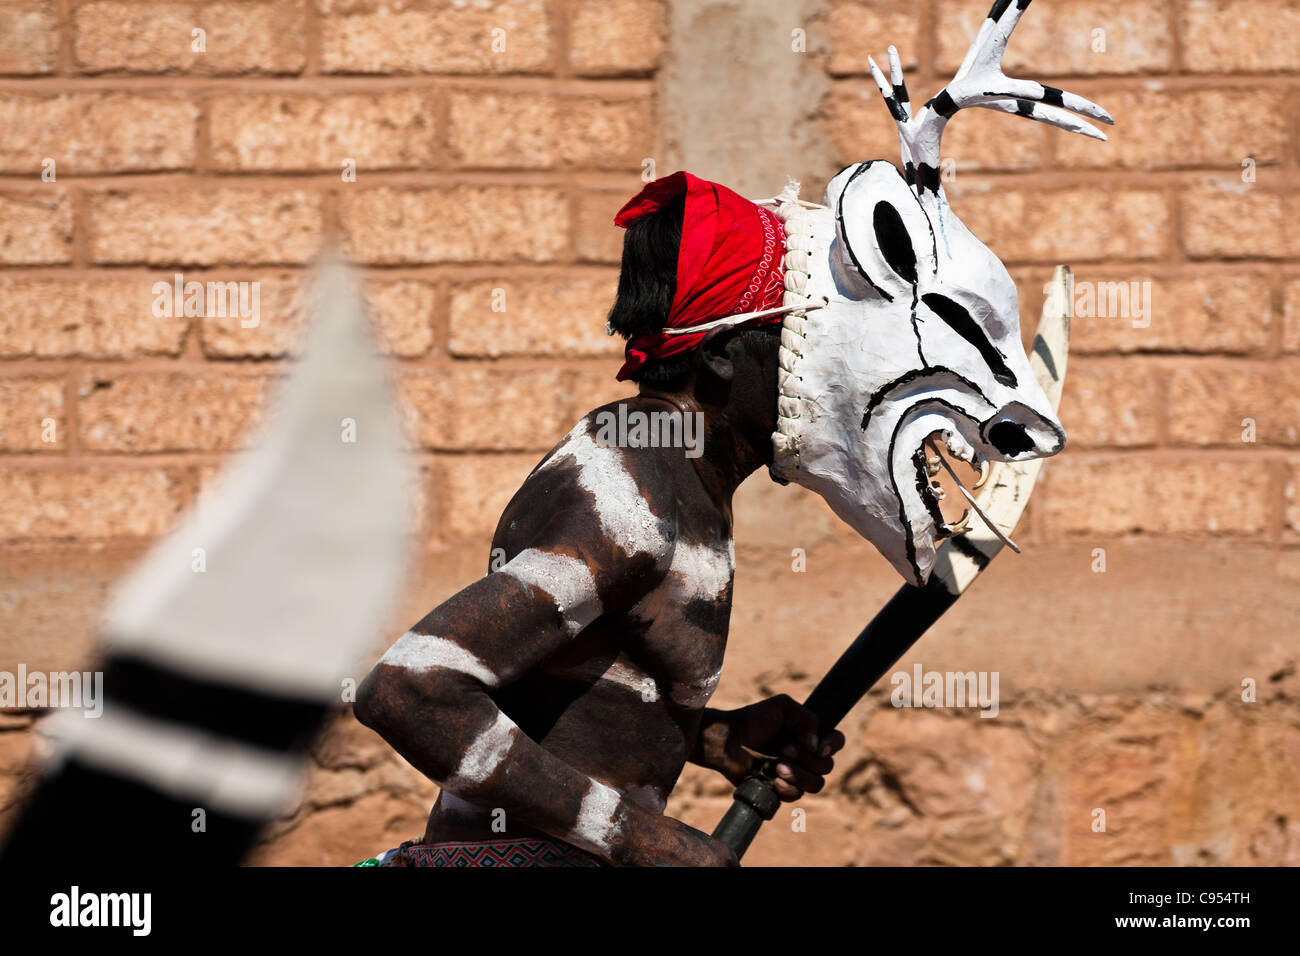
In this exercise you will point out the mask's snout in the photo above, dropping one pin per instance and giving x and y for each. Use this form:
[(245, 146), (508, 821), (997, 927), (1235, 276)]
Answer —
[(1018, 433)]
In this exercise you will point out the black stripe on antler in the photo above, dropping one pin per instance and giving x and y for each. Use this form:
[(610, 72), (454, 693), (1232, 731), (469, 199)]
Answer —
[(927, 177), (1001, 7), (943, 104)]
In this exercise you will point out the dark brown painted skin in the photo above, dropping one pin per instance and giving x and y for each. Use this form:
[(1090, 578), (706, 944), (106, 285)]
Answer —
[(572, 726)]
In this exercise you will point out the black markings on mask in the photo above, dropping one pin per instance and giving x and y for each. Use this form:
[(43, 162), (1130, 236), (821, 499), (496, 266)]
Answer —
[(914, 376), (895, 244), (960, 321), (844, 234)]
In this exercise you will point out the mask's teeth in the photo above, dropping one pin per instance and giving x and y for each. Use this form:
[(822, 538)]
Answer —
[(985, 469), (957, 446), (961, 525), (931, 465), (980, 511)]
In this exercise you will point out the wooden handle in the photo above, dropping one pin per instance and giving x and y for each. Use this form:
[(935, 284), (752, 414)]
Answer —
[(898, 626)]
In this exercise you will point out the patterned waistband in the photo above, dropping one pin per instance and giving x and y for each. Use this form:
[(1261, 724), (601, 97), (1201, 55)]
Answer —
[(521, 852)]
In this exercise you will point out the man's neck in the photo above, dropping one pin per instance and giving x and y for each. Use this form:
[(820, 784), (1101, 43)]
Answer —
[(735, 443)]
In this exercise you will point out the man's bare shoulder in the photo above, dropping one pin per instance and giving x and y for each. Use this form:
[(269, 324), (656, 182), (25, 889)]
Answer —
[(595, 493)]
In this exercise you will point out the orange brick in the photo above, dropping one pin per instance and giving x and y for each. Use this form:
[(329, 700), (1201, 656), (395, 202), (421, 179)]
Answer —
[(866, 29), (595, 386), (616, 37), (254, 38), (861, 128), (1111, 404), (1064, 39), (1208, 403), (401, 311), (536, 316), (278, 328), (97, 133), (31, 413), (455, 224), (149, 37), (35, 226), (1291, 328), (469, 405), (859, 125), (280, 132), (139, 37), (531, 131), (205, 227), (1163, 129), (1119, 494), (1071, 225), (1235, 221), (473, 490), (1228, 36), (87, 502), (29, 37), (194, 410), (1208, 313), (446, 36), (1292, 494), (97, 318), (598, 239)]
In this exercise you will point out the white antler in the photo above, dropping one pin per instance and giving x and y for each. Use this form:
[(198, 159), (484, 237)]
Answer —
[(979, 82)]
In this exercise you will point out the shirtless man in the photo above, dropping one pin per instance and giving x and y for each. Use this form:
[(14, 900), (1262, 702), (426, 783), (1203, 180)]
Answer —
[(568, 688)]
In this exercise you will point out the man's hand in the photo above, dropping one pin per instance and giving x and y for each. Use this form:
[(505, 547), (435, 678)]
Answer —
[(728, 737)]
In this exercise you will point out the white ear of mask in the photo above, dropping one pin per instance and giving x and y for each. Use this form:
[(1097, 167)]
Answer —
[(902, 336)]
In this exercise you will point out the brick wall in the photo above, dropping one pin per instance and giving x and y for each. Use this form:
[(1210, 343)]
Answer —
[(492, 142)]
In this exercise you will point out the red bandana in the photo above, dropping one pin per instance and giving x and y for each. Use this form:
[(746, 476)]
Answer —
[(731, 261)]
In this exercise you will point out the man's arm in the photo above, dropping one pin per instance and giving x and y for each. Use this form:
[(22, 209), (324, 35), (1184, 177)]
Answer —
[(429, 698)]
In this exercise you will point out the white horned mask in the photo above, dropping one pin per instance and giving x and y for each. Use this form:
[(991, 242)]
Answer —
[(905, 328)]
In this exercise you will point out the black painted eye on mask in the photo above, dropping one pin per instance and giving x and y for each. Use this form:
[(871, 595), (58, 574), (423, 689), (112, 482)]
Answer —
[(960, 321), (894, 242)]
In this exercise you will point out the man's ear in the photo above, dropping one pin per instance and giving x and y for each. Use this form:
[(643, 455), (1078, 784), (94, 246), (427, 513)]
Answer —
[(716, 353)]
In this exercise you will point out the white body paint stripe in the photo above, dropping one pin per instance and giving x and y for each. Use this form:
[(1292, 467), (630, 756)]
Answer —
[(566, 579), (616, 672), (422, 652), (633, 680), (695, 695), (180, 760), (700, 571), (485, 754), (596, 829), (625, 515)]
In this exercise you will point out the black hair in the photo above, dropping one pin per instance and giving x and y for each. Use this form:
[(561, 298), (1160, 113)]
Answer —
[(647, 284)]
